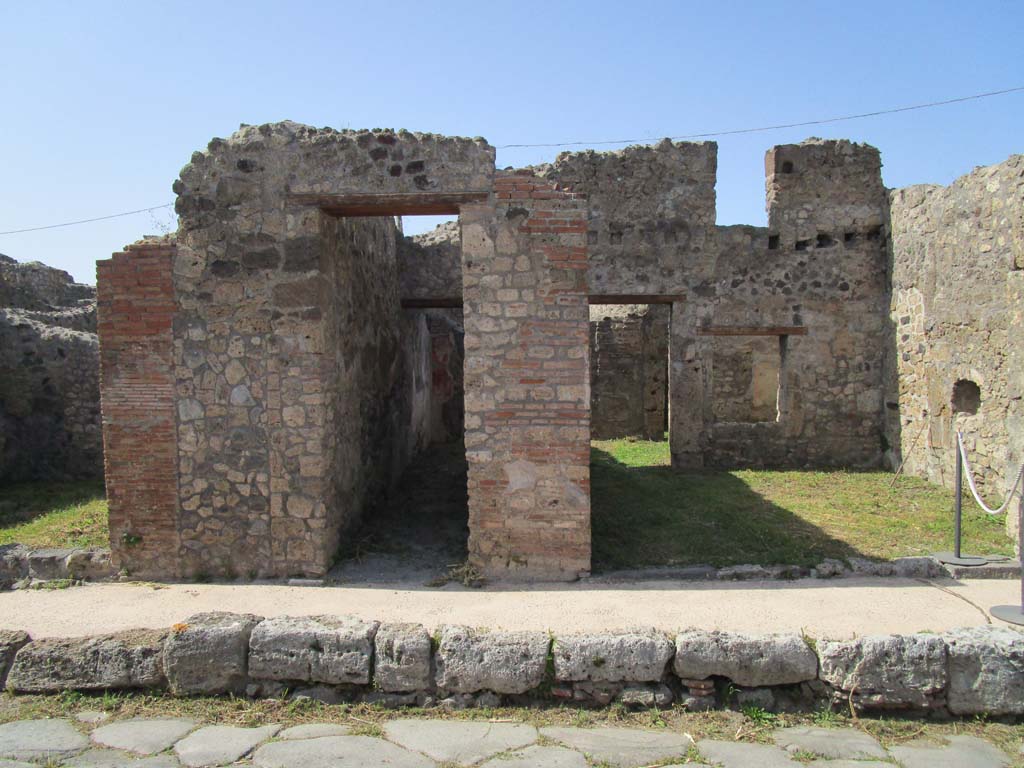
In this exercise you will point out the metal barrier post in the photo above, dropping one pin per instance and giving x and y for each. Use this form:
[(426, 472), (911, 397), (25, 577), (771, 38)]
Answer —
[(956, 557), (1014, 614)]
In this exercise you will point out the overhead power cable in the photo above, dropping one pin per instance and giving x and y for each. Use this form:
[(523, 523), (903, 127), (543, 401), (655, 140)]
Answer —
[(707, 135), (87, 221), (712, 134)]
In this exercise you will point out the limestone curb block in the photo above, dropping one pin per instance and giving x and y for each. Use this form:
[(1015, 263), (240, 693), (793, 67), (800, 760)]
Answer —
[(637, 656), (468, 661), (131, 659), (10, 642), (751, 661), (320, 649), (886, 670), (208, 653), (986, 671), (402, 656)]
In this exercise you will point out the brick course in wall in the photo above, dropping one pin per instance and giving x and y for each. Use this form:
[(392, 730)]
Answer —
[(136, 308), (527, 386)]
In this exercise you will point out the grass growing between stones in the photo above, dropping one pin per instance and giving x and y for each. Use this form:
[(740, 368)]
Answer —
[(647, 514), (54, 514), (369, 720)]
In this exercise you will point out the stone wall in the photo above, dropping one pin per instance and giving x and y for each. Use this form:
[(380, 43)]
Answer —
[(430, 264), (745, 384), (49, 375), (628, 371), (957, 315), (527, 384)]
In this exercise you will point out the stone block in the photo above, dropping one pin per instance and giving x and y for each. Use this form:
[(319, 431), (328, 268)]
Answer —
[(90, 564), (319, 649), (633, 656), (132, 659), (748, 660), (13, 564), (468, 661), (887, 670), (10, 642), (986, 671), (47, 564), (208, 653), (402, 658)]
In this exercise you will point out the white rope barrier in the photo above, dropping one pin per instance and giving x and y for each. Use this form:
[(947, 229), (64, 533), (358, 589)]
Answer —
[(974, 488)]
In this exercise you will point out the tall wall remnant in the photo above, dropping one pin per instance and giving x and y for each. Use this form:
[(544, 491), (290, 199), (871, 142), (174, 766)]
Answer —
[(958, 320), (49, 375), (287, 355)]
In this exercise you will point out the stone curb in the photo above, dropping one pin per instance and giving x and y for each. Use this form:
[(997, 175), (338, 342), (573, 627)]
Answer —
[(22, 567), (970, 671)]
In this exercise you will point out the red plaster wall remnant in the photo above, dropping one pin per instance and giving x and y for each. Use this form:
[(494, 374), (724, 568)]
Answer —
[(136, 310), (527, 381)]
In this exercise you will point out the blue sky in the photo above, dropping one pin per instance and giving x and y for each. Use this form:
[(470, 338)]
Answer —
[(103, 102)]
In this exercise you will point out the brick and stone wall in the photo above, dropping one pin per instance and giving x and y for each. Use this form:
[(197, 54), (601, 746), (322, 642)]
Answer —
[(49, 375), (957, 315), (527, 387), (629, 371), (136, 310), (430, 264)]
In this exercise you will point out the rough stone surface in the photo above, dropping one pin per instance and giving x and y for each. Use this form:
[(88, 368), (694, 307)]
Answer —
[(112, 758), (886, 670), (10, 642), (221, 744), (402, 659), (986, 671), (831, 743), (320, 649), (132, 659), (143, 736), (208, 654), (49, 375), (468, 661), (464, 743), (960, 752), (744, 659), (730, 754), (40, 740), (338, 752), (635, 657), (539, 757), (313, 731), (623, 747)]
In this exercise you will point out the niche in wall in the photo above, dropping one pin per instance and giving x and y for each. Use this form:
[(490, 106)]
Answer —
[(966, 397)]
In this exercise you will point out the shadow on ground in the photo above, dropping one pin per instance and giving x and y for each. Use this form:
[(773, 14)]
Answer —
[(420, 532), (657, 516)]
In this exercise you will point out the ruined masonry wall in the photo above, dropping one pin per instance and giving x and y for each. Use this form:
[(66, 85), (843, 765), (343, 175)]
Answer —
[(527, 387), (136, 308), (958, 313), (629, 371)]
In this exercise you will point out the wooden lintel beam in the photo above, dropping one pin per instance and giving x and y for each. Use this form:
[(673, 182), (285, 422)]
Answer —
[(394, 204), (635, 298), (433, 303), (751, 330)]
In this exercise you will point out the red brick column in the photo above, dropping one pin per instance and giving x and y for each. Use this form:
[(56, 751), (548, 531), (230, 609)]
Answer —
[(527, 381), (135, 309)]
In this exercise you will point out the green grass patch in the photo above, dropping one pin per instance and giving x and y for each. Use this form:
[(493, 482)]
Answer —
[(54, 514), (644, 513)]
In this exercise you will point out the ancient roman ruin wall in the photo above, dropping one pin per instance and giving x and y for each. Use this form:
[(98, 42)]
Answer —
[(430, 264), (527, 383), (286, 334), (49, 375), (629, 370), (958, 316)]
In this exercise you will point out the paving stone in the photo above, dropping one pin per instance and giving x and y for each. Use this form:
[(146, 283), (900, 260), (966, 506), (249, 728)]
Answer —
[(313, 731), (113, 758), (144, 737), (848, 764), (464, 743), (338, 752), (539, 757), (221, 744), (92, 716), (622, 747), (733, 754), (16, 764), (833, 743), (961, 752), (40, 739)]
